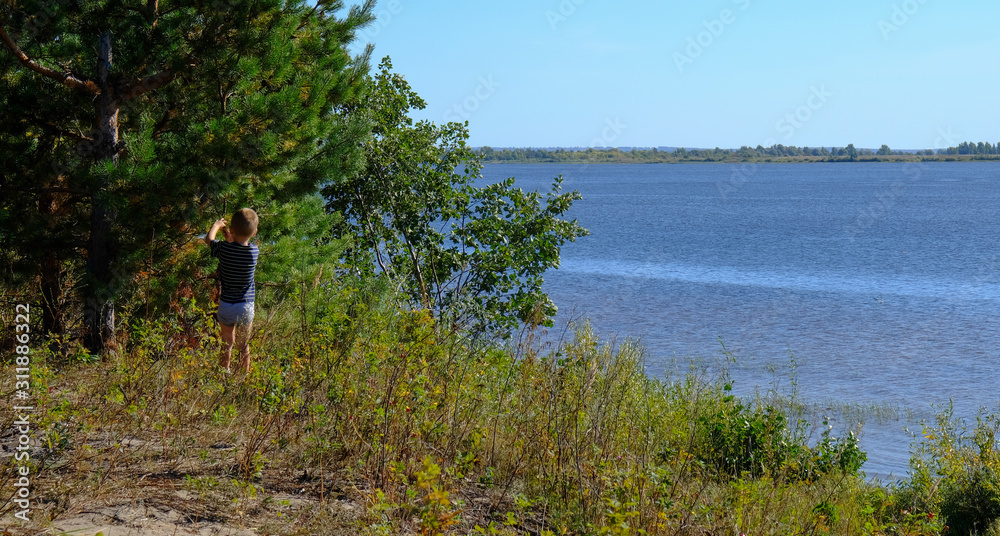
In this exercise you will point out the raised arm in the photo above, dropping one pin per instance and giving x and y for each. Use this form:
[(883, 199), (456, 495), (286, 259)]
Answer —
[(219, 224)]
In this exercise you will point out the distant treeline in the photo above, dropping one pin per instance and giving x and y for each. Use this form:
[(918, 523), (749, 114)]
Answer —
[(774, 153)]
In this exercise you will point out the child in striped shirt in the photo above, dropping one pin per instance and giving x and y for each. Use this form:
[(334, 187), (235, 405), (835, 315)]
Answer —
[(237, 262)]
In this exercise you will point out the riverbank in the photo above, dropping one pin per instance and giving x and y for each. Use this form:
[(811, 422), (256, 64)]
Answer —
[(364, 417)]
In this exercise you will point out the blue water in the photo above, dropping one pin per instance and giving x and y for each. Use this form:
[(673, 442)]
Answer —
[(868, 284)]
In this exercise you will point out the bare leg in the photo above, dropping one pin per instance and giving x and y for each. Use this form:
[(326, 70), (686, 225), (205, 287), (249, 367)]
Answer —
[(228, 337), (243, 343)]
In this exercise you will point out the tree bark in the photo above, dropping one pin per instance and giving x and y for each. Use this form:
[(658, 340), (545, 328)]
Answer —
[(49, 205), (99, 314), (51, 285)]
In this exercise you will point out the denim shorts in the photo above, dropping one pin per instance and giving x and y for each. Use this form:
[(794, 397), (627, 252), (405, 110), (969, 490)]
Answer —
[(231, 314)]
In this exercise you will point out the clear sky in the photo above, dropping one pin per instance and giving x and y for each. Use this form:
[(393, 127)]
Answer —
[(912, 74)]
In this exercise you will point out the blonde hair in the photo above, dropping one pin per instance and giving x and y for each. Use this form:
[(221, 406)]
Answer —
[(244, 223)]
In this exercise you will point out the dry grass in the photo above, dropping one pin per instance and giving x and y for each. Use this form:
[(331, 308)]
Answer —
[(361, 417)]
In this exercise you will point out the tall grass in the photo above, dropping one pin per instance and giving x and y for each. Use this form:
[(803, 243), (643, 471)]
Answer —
[(355, 397)]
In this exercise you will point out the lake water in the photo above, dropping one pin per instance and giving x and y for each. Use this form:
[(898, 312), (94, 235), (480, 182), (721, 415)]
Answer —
[(867, 285)]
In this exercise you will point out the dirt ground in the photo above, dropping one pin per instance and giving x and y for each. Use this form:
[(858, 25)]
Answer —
[(129, 520), (180, 513)]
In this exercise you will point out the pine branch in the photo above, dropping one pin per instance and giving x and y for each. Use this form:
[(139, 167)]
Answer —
[(58, 130), (143, 85), (161, 125), (65, 79)]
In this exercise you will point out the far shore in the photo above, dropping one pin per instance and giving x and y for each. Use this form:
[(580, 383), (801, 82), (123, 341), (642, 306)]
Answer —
[(912, 158)]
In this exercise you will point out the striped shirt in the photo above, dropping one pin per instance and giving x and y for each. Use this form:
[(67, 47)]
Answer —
[(236, 266)]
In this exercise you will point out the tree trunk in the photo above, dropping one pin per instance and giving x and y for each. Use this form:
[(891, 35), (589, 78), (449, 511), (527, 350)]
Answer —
[(102, 285), (51, 284), (101, 290), (52, 319)]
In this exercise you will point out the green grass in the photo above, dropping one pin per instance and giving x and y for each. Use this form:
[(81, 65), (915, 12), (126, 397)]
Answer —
[(377, 420)]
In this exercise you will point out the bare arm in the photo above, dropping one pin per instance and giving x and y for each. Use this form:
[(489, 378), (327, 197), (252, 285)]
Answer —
[(219, 224)]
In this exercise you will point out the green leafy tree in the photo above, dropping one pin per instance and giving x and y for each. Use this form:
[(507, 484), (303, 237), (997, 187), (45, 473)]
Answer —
[(129, 124), (472, 253), (884, 150), (851, 152)]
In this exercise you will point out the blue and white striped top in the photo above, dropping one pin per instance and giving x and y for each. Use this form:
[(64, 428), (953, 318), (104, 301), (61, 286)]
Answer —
[(236, 267)]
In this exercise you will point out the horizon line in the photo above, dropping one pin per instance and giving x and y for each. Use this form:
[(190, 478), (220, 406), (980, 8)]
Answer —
[(693, 148)]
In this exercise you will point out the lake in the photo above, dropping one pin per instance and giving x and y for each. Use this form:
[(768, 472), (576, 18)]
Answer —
[(861, 285)]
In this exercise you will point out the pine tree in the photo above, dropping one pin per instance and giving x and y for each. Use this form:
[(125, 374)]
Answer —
[(129, 124)]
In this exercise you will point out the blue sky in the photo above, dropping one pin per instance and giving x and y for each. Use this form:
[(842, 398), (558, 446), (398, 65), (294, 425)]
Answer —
[(912, 74)]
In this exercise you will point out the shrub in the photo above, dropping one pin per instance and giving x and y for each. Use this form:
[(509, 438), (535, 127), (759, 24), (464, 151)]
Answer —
[(739, 439), (971, 501), (957, 473)]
